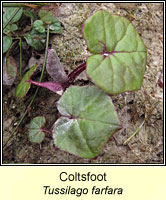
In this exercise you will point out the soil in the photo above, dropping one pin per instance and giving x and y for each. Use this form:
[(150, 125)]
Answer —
[(144, 106)]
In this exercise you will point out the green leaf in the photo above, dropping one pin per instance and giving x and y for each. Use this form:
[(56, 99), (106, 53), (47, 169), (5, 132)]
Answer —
[(36, 39), (119, 59), (10, 28), (42, 13), (88, 121), (36, 134), (38, 26), (56, 28), (9, 71), (13, 27), (7, 41), (8, 14), (24, 86), (46, 17), (30, 14)]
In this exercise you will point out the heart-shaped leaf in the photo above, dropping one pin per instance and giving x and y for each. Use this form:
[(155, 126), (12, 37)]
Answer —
[(55, 68), (88, 121), (46, 16), (120, 54), (24, 85), (36, 134), (7, 41), (9, 71)]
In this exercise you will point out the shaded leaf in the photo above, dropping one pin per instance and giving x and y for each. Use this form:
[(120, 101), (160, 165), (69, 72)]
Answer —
[(46, 16), (7, 41), (38, 26), (9, 70), (24, 85), (8, 14), (13, 27), (10, 28), (30, 14), (55, 68), (36, 39), (36, 134), (56, 28), (120, 54), (88, 121)]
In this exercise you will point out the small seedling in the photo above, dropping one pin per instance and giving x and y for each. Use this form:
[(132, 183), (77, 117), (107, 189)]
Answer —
[(35, 38), (10, 17), (87, 115)]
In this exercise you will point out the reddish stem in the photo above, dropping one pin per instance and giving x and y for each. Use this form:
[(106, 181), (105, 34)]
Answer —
[(160, 83), (46, 131), (72, 76), (53, 86)]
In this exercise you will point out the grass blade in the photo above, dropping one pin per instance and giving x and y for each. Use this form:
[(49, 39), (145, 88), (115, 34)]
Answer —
[(137, 131)]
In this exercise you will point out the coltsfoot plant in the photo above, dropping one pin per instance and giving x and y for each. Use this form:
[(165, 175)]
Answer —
[(87, 115)]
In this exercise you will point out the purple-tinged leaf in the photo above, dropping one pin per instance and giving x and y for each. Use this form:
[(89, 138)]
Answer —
[(9, 70), (88, 119), (53, 86), (55, 68), (119, 54)]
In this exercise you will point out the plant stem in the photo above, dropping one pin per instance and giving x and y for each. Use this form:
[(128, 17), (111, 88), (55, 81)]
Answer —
[(23, 5), (20, 56), (46, 131), (11, 17), (53, 86), (72, 76), (41, 77), (45, 56)]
